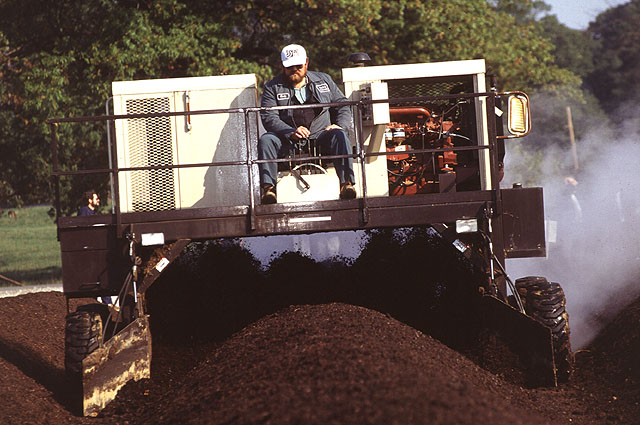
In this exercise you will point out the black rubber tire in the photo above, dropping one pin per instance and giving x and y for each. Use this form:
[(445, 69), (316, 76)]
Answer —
[(545, 301), (83, 335)]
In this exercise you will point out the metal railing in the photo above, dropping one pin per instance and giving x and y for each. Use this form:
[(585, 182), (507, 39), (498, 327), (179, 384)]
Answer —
[(114, 169)]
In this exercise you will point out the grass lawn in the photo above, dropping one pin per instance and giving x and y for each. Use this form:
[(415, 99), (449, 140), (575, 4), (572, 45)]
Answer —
[(29, 250)]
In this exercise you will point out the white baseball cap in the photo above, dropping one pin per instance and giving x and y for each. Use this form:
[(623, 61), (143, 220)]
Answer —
[(293, 54)]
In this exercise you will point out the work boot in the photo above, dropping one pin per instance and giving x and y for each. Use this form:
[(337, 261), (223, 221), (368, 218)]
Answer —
[(347, 191), (269, 195)]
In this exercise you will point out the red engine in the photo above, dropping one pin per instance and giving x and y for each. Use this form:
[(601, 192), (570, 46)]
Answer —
[(419, 128)]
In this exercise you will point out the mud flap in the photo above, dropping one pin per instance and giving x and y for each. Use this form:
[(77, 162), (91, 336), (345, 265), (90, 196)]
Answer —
[(529, 339), (124, 357)]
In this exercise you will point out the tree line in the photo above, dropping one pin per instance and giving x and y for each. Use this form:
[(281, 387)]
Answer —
[(59, 59)]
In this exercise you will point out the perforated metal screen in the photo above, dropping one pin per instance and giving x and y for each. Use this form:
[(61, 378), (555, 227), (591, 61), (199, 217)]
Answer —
[(150, 144), (434, 87)]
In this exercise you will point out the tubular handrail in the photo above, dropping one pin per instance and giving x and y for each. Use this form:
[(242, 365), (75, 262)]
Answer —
[(361, 154)]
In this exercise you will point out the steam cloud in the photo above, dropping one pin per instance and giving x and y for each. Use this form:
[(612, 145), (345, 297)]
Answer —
[(592, 228)]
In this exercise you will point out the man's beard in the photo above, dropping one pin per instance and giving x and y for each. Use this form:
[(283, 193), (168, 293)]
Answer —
[(297, 77)]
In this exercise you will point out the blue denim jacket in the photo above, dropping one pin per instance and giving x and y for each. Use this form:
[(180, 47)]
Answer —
[(278, 92)]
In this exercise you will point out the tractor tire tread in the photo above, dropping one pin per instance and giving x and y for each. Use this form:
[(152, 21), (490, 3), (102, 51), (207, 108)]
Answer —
[(83, 335), (545, 302)]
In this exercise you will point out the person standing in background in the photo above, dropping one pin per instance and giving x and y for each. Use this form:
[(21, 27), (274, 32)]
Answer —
[(91, 203)]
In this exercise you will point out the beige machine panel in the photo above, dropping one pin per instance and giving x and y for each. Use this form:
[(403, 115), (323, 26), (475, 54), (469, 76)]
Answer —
[(182, 140), (374, 120), (366, 82)]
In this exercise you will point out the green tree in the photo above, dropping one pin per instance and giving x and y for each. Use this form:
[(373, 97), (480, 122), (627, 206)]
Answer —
[(59, 60), (573, 49), (330, 30), (616, 77), (524, 11), (434, 30), (62, 61), (546, 151), (8, 66), (402, 31)]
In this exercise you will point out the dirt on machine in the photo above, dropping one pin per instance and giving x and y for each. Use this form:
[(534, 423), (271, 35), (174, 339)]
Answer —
[(428, 149)]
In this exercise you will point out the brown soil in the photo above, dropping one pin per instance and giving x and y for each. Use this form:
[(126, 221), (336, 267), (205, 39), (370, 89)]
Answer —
[(314, 364), (243, 350)]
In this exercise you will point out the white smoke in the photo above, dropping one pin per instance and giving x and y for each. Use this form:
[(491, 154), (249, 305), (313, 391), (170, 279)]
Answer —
[(594, 254)]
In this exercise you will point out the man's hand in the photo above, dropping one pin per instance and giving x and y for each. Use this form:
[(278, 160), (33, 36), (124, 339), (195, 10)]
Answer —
[(332, 126), (300, 133)]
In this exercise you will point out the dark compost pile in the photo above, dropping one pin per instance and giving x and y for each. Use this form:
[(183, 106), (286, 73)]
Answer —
[(310, 350)]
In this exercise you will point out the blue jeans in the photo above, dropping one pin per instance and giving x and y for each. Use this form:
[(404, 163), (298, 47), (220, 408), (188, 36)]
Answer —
[(330, 142)]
